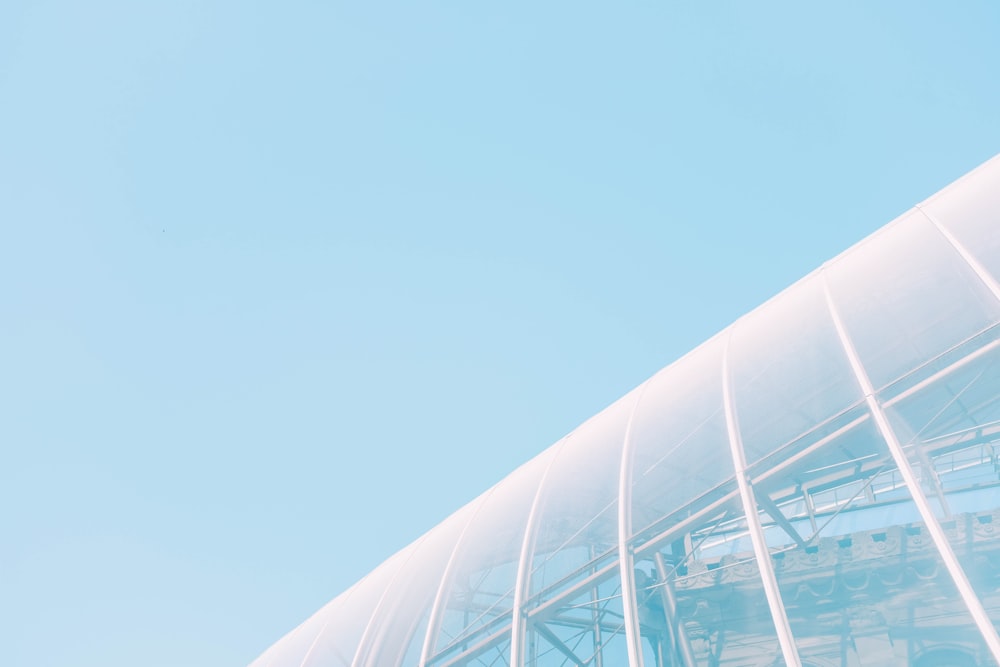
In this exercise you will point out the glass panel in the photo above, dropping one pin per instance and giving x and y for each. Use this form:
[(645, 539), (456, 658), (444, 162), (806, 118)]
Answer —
[(685, 510), (906, 297), (397, 632), (947, 424), (681, 461), (860, 580), (789, 371), (479, 593), (950, 430), (970, 209), (701, 601), (587, 627), (577, 535), (579, 505)]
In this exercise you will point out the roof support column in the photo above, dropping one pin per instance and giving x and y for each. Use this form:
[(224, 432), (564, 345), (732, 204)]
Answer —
[(750, 510), (940, 540)]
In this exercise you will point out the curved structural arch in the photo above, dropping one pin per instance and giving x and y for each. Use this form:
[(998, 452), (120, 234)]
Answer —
[(817, 485)]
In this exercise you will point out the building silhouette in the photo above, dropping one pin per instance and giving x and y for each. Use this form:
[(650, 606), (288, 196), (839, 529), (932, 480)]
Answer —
[(818, 484)]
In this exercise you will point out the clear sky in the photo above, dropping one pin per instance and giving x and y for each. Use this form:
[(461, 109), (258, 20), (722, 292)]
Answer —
[(283, 284)]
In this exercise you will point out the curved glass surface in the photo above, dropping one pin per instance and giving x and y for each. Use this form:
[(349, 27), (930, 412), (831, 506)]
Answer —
[(473, 619), (679, 425), (575, 538), (397, 629), (817, 485)]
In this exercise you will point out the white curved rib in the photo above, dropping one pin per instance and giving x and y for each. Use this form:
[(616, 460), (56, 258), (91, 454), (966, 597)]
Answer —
[(965, 590), (312, 646), (365, 636), (437, 609), (517, 625), (977, 268), (760, 550), (626, 558)]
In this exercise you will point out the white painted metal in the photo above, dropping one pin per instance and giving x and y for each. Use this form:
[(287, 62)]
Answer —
[(518, 625), (682, 645), (366, 635), (437, 608), (968, 232), (980, 271), (760, 550), (312, 646), (626, 558), (938, 537)]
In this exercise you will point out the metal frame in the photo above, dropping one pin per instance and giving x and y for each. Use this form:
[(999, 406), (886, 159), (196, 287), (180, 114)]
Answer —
[(763, 555), (633, 638), (968, 595), (970, 259), (363, 643), (523, 578), (649, 545), (738, 509), (437, 608), (571, 586)]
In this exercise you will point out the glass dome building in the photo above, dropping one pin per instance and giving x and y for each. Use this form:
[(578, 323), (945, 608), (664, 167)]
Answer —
[(818, 484)]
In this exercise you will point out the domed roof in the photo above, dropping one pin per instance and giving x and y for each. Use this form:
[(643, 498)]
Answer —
[(812, 409)]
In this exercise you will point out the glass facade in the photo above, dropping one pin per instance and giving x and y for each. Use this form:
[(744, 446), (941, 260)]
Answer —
[(818, 485)]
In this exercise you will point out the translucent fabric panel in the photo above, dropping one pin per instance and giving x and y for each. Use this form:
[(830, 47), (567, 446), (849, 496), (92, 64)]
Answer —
[(859, 579), (810, 505), (343, 626), (698, 590), (955, 358), (906, 296), (840, 442), (397, 628), (680, 450), (478, 594), (788, 370), (950, 431), (574, 550), (970, 209), (948, 423), (578, 505), (293, 647), (874, 597)]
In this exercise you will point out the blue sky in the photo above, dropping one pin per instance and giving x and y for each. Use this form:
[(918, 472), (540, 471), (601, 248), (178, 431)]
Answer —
[(284, 284)]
